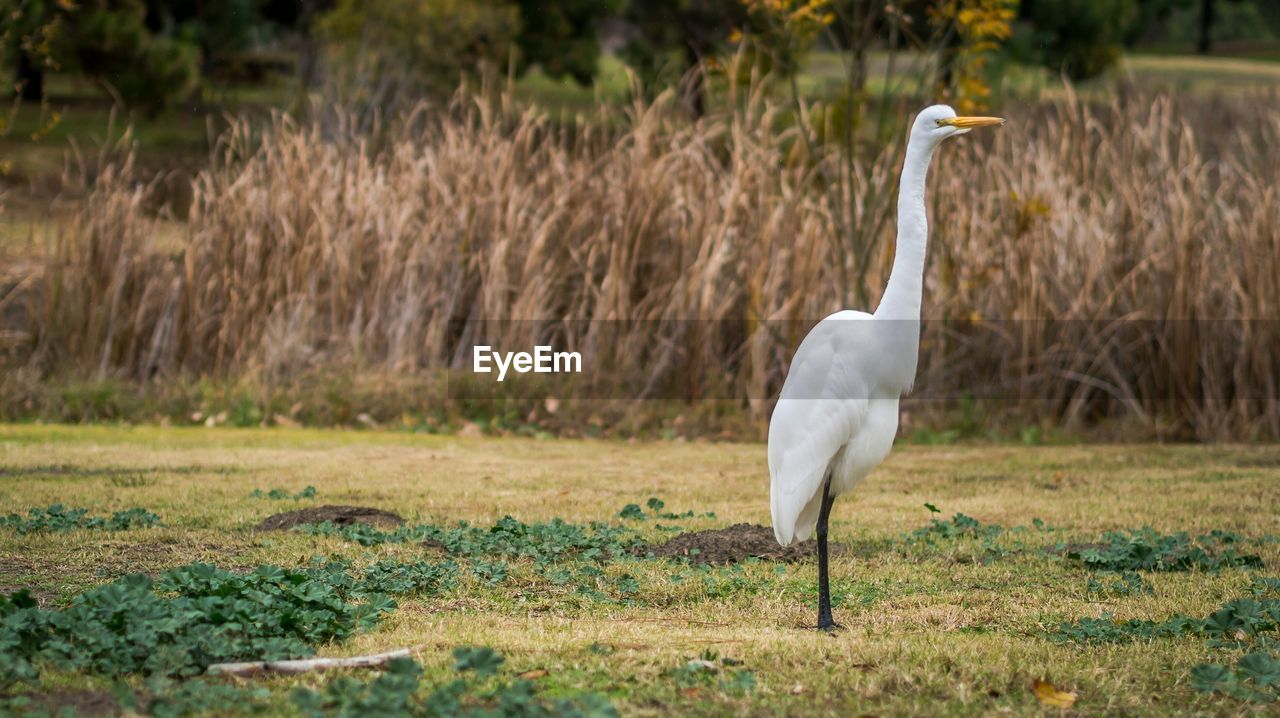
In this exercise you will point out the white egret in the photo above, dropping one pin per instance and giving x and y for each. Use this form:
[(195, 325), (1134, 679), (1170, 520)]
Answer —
[(838, 413)]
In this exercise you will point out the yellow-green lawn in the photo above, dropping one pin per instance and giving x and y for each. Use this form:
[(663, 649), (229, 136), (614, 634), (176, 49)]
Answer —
[(944, 629)]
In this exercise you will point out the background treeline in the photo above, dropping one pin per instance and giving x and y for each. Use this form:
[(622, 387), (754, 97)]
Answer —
[(368, 183), (151, 54)]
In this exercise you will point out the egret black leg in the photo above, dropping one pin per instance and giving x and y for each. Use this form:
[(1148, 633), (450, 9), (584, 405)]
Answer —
[(825, 622)]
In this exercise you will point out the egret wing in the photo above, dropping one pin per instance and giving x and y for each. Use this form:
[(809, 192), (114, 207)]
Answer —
[(823, 405)]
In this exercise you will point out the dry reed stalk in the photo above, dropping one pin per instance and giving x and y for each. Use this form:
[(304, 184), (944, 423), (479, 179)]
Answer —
[(1089, 261)]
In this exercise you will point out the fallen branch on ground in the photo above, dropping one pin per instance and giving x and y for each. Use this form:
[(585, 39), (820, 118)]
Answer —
[(303, 665)]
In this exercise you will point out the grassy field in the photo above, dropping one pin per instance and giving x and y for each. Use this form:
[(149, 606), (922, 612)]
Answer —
[(955, 619)]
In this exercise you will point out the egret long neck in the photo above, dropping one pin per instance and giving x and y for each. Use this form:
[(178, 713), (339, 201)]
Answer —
[(901, 298)]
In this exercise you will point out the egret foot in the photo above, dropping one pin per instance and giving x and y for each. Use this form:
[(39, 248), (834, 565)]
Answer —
[(831, 628)]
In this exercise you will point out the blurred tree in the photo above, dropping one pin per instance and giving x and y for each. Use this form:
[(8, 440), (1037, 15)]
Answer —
[(1202, 24), (28, 29), (858, 24), (975, 30), (1152, 17), (1205, 40), (107, 41), (392, 46), (1079, 37), (296, 20), (785, 30), (562, 36), (1233, 21), (672, 37), (220, 28)]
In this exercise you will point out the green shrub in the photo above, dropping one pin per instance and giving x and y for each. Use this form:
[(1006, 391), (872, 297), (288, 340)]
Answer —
[(1079, 37), (420, 45)]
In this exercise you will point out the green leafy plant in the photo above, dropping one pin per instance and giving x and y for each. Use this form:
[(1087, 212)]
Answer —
[(191, 617), (1125, 583), (1255, 677), (1108, 630), (396, 578), (1237, 622), (1146, 549), (710, 670), (387, 695), (656, 505), (484, 661), (167, 698), (480, 691), (543, 542), (276, 494), (492, 573), (632, 512), (957, 526), (57, 517)]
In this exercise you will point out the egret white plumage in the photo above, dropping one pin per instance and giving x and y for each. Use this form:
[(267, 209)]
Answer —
[(838, 413)]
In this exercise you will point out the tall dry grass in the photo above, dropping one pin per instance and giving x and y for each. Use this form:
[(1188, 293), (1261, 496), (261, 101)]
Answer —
[(1087, 262)]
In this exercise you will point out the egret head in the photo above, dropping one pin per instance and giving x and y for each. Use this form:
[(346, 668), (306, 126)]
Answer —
[(938, 122)]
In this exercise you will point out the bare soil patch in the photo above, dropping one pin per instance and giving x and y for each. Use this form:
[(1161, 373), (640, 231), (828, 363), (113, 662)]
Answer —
[(735, 543), (338, 515), (77, 702)]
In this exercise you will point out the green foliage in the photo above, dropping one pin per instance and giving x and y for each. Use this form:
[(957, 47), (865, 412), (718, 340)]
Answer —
[(417, 45), (1107, 630), (277, 494), (110, 42), (1239, 622), (197, 615), (543, 542), (782, 32), (1148, 550), (1119, 554), (59, 518), (492, 573), (167, 698), (992, 541), (1255, 677), (561, 36), (711, 671), (480, 691), (1234, 21), (146, 52), (588, 580), (956, 527), (632, 512), (1126, 583), (28, 31), (656, 505), (219, 29), (671, 36), (483, 661), (387, 695), (1079, 37), (420, 577)]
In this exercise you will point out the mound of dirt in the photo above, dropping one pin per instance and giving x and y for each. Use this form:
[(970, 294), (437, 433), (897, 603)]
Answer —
[(733, 544), (338, 515)]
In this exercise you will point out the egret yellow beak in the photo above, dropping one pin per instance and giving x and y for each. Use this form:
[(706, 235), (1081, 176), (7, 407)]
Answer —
[(968, 123)]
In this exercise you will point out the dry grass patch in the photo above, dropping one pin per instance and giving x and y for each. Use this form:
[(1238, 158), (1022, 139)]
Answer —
[(1089, 260), (957, 627)]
